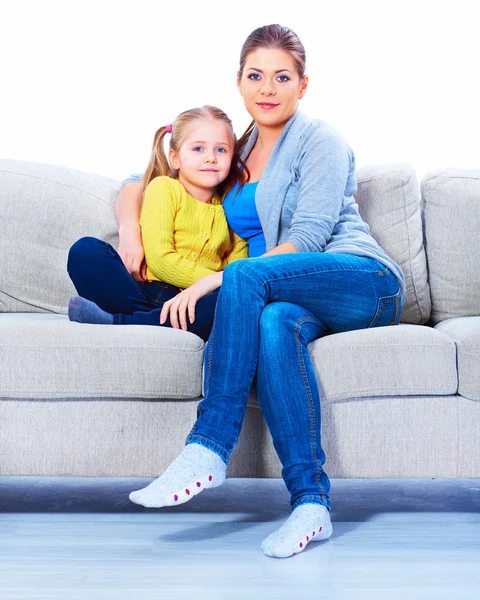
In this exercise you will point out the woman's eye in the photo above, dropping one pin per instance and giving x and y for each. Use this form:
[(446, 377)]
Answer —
[(283, 78), (254, 76)]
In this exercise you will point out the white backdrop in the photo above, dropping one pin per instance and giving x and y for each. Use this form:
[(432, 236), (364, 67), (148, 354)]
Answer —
[(86, 84)]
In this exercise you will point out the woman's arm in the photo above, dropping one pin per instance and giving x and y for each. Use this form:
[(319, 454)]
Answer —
[(285, 248), (130, 248), (326, 176)]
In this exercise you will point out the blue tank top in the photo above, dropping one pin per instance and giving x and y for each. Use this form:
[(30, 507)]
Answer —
[(242, 217)]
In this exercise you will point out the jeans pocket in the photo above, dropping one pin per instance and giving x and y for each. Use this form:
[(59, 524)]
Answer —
[(388, 311)]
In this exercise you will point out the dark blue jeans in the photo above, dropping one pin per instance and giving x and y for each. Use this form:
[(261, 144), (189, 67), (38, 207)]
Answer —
[(268, 311), (99, 275)]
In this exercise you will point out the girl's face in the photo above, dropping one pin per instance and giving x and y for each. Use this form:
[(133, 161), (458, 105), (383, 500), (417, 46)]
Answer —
[(270, 86), (205, 155)]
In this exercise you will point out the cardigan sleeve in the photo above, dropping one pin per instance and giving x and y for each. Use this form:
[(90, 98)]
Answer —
[(157, 220), (323, 172)]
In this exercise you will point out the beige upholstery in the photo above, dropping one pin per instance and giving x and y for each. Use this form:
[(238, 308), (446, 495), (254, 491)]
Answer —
[(92, 400)]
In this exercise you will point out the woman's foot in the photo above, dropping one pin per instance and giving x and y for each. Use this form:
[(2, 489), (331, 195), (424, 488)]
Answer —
[(85, 311), (307, 523), (194, 470)]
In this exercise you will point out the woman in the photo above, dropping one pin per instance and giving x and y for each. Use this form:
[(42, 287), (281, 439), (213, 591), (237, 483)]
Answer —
[(315, 270)]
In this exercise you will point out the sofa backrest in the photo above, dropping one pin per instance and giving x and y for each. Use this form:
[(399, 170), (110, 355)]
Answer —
[(44, 209), (451, 204), (388, 198)]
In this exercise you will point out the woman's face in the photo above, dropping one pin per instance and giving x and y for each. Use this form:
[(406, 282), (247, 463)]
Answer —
[(270, 86)]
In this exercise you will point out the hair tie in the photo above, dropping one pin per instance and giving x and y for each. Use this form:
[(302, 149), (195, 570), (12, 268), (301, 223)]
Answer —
[(168, 128)]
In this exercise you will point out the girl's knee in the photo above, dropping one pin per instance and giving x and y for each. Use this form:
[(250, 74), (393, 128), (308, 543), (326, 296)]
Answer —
[(81, 253), (84, 246)]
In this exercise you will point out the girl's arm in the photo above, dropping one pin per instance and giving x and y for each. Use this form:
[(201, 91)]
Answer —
[(239, 249), (130, 248)]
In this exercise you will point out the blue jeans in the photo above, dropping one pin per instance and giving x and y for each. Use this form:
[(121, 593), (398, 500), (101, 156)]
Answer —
[(268, 311), (99, 275)]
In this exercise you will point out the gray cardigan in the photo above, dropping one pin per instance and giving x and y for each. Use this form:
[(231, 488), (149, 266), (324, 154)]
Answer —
[(305, 194)]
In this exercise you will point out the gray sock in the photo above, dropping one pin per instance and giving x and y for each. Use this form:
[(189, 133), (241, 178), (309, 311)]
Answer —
[(85, 311), (194, 470), (307, 523)]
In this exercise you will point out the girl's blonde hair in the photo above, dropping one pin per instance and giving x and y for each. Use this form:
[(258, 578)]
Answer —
[(159, 164), (270, 36)]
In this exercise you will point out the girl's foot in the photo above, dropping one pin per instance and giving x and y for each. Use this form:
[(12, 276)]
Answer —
[(195, 469), (85, 311), (307, 523)]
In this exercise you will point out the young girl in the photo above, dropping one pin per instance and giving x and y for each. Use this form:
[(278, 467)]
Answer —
[(184, 232)]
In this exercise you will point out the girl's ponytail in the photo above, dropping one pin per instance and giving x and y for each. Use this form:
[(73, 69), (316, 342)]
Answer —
[(158, 164)]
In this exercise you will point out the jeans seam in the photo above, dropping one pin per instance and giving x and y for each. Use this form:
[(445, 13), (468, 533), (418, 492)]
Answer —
[(313, 438), (323, 495), (316, 272), (210, 353), (394, 322)]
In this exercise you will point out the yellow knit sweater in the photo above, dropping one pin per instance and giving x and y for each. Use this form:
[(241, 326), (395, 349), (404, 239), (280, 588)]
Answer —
[(183, 238)]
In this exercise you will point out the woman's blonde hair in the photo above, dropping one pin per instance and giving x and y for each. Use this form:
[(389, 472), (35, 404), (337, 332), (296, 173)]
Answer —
[(270, 36), (159, 165)]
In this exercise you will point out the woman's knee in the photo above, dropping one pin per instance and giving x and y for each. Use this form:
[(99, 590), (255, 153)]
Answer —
[(240, 271), (289, 321), (278, 318)]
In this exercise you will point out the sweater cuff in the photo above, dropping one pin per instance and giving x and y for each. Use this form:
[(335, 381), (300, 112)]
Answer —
[(297, 242)]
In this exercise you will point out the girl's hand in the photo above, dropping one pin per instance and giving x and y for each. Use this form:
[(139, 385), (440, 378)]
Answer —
[(185, 302)]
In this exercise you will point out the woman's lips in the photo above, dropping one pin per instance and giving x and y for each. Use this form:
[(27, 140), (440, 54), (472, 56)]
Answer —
[(266, 105)]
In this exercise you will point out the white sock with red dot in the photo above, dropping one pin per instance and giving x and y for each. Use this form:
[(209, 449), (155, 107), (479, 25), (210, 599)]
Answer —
[(195, 469), (307, 523)]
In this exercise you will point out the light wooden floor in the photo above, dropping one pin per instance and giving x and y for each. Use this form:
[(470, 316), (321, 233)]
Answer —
[(71, 538)]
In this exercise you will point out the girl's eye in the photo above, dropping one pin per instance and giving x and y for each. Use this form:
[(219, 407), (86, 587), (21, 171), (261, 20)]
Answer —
[(283, 78), (221, 149), (197, 149), (254, 76)]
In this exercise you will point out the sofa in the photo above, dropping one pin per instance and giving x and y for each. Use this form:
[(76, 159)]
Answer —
[(118, 401)]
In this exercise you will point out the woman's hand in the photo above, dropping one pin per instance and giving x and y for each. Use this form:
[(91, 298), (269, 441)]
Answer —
[(131, 252), (185, 302)]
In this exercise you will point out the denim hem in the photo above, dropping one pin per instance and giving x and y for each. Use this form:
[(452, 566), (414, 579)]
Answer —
[(322, 499), (198, 439)]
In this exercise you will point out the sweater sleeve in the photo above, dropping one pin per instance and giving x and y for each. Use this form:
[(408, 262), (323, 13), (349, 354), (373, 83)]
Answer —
[(157, 220), (323, 173), (239, 249)]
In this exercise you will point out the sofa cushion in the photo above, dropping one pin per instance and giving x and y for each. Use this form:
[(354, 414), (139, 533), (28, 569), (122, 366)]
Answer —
[(465, 332), (451, 199), (45, 208), (385, 361), (388, 198), (48, 356)]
